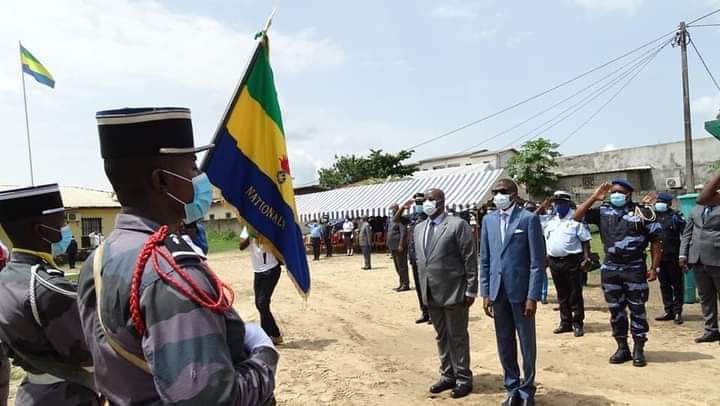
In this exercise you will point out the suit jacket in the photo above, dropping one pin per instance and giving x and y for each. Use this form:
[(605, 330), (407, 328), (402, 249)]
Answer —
[(449, 267), (701, 239), (516, 263), (396, 236), (365, 234)]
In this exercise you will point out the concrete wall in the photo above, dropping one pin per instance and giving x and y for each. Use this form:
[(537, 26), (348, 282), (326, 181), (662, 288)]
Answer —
[(665, 161)]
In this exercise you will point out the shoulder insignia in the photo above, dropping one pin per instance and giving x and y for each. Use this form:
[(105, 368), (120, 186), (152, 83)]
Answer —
[(182, 247)]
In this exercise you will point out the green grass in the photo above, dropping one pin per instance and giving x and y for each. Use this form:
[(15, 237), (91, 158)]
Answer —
[(222, 241), (597, 247)]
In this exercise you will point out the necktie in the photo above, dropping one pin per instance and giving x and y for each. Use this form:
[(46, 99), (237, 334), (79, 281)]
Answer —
[(503, 226), (428, 239)]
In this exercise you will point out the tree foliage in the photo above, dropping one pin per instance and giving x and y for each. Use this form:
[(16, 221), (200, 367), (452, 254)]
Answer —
[(349, 169), (533, 166)]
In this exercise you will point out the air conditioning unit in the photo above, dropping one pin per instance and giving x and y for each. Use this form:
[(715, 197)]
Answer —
[(72, 217), (674, 182)]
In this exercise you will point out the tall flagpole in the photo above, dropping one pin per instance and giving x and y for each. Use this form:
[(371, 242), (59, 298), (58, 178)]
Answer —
[(27, 122)]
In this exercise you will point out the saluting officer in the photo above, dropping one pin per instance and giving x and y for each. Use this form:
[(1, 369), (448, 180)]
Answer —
[(417, 216), (671, 275), (626, 229), (39, 320), (159, 323)]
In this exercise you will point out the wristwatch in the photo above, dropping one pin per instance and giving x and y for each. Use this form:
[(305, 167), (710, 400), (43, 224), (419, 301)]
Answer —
[(657, 269)]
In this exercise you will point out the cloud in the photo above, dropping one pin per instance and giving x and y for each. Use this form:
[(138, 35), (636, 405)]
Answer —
[(608, 6), (706, 106), (458, 9), (608, 147), (114, 53), (116, 43)]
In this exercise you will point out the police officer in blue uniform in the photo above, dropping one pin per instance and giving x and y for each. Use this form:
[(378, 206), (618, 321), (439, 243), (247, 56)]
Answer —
[(626, 229), (670, 276)]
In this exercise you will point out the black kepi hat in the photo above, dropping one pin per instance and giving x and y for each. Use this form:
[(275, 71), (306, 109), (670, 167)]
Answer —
[(18, 204), (146, 131)]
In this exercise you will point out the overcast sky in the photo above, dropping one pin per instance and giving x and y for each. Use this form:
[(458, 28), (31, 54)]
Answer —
[(350, 75)]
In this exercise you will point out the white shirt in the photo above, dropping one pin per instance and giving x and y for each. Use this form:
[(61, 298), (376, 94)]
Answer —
[(348, 227), (439, 219), (564, 236), (262, 260)]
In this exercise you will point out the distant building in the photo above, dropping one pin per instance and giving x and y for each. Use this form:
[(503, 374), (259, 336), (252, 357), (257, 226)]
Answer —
[(307, 189), (648, 168), (495, 159), (86, 211)]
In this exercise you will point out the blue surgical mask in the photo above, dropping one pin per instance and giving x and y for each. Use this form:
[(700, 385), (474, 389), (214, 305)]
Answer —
[(661, 206), (429, 207), (418, 208), (562, 209), (202, 197), (618, 199), (59, 247)]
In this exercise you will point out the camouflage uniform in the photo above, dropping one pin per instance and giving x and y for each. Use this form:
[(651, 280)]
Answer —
[(39, 324), (194, 356), (625, 238)]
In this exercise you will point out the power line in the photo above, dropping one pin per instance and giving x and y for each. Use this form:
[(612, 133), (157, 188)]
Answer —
[(543, 128), (703, 25), (489, 116), (707, 69), (705, 16), (613, 97), (644, 54)]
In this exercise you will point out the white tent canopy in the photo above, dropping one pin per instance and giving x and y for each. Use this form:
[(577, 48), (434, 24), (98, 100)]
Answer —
[(464, 187)]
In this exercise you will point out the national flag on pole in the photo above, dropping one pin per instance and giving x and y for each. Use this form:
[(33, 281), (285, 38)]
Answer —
[(249, 164), (34, 68)]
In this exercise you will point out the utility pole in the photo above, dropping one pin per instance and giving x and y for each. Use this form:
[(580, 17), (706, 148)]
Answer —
[(681, 40)]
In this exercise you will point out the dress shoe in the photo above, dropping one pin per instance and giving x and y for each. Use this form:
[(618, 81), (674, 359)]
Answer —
[(708, 338), (622, 354), (460, 391), (639, 352), (678, 319), (277, 340), (665, 317), (403, 288), (441, 386), (423, 319), (578, 331), (563, 328), (511, 401)]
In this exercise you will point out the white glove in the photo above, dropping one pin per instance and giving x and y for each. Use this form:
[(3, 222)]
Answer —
[(255, 337)]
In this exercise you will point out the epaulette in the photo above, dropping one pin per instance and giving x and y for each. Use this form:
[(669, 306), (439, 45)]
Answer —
[(181, 247)]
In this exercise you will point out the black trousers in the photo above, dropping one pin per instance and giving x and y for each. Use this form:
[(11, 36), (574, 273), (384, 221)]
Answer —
[(400, 259), (416, 278), (316, 247), (568, 279), (328, 247), (72, 258), (264, 287), (672, 286)]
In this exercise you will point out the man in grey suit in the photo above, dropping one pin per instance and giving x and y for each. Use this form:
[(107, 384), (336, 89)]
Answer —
[(365, 240), (512, 260), (447, 273), (700, 248), (397, 244)]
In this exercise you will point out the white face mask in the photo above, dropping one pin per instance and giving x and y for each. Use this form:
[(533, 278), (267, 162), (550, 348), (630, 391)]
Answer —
[(429, 207), (502, 201)]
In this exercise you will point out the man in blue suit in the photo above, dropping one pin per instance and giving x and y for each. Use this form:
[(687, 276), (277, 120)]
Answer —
[(512, 256)]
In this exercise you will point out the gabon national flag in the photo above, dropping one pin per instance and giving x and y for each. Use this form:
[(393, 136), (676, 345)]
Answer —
[(34, 68), (250, 165)]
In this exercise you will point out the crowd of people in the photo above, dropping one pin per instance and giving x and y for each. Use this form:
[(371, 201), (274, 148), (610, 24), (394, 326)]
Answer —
[(148, 322), (504, 259)]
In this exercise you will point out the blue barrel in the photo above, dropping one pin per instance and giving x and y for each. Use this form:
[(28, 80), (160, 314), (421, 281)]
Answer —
[(687, 202)]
